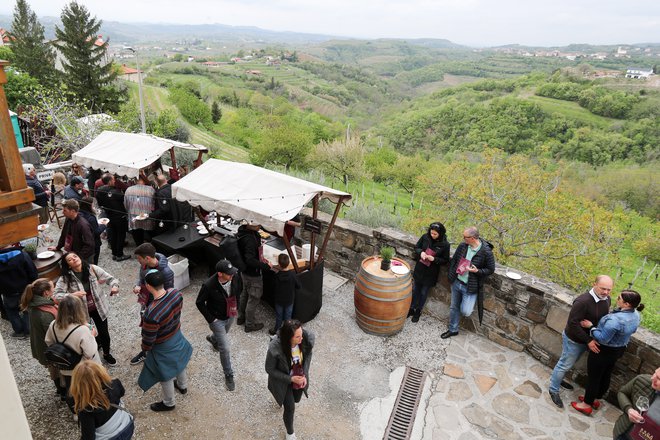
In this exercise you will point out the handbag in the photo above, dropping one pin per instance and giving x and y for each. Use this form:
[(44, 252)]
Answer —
[(297, 370)]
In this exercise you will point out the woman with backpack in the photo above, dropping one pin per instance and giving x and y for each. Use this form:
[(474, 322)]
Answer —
[(83, 280), (72, 329), (37, 301), (97, 400)]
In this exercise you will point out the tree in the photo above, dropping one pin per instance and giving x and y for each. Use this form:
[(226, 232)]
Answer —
[(523, 209), (88, 75), (282, 142), (343, 159), (31, 53), (21, 89), (216, 113)]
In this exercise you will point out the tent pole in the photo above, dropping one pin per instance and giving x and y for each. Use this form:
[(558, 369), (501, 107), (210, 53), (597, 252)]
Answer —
[(173, 157), (290, 252), (330, 226), (315, 211)]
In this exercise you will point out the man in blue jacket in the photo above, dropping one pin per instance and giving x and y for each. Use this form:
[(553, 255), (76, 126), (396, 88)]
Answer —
[(149, 259)]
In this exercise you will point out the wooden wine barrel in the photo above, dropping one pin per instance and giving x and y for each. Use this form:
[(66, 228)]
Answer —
[(51, 267), (382, 298)]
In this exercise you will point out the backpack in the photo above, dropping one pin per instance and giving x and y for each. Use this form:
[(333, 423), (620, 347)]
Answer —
[(61, 355)]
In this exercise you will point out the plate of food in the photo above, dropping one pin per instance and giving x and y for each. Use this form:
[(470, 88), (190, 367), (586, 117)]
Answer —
[(142, 217), (202, 231), (513, 275), (400, 270), (45, 255), (104, 221), (43, 227)]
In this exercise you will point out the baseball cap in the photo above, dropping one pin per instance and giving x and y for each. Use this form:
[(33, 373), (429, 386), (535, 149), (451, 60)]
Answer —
[(225, 266), (76, 180)]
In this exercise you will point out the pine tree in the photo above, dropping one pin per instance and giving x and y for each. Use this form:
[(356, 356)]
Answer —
[(216, 113), (32, 54), (87, 72)]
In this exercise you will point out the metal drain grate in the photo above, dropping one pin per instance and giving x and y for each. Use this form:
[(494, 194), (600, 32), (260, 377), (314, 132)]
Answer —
[(403, 414)]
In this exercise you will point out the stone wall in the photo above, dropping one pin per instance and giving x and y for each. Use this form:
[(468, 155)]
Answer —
[(525, 315)]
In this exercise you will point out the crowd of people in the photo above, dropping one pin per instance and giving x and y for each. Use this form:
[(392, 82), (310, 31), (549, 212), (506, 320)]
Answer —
[(74, 311)]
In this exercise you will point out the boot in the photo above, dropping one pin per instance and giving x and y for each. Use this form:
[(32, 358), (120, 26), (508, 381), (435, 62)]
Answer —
[(411, 312)]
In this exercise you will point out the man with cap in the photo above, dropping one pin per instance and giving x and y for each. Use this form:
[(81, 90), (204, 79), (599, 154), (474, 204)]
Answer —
[(217, 301), (41, 195), (75, 189)]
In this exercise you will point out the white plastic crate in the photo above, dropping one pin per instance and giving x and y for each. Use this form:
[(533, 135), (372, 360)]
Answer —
[(179, 266)]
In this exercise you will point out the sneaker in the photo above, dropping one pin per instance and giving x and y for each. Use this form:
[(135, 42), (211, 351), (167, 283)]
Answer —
[(254, 327), (411, 312), (75, 417), (556, 399), (229, 383), (291, 437), (122, 258), (138, 358), (448, 334), (178, 388), (240, 321), (272, 331), (109, 359), (160, 406), (210, 339), (415, 318)]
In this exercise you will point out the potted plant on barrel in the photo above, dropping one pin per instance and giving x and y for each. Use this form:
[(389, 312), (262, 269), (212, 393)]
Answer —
[(386, 253)]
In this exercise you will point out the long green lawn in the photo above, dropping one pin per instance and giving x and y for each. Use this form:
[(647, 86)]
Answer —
[(571, 110)]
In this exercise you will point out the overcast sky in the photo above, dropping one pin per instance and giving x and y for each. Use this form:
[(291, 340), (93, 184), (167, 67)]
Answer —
[(470, 22)]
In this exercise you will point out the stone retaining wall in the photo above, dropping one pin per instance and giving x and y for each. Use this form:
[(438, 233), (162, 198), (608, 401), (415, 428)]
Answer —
[(525, 315)]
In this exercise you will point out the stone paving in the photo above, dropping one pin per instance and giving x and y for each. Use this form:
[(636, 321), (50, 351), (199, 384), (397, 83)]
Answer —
[(488, 391)]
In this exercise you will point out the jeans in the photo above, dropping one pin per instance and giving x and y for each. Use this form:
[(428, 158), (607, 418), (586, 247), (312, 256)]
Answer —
[(20, 322), (253, 288), (462, 303), (282, 313), (290, 399), (168, 387), (221, 342), (419, 294), (570, 353)]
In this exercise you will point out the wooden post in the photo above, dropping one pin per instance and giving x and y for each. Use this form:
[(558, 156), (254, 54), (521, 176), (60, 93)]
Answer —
[(173, 157), (289, 251), (312, 241), (330, 226)]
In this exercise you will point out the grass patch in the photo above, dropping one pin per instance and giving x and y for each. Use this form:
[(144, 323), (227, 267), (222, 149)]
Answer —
[(571, 110)]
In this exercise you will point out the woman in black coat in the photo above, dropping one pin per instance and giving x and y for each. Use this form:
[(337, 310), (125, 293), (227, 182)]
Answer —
[(287, 364), (431, 250)]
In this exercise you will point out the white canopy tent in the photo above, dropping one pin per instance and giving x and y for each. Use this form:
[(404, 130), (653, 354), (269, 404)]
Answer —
[(247, 192), (125, 154)]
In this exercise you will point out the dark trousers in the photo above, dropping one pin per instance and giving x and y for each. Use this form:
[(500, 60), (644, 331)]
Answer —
[(419, 294), (118, 235), (599, 370), (290, 399), (20, 322), (103, 335), (140, 236)]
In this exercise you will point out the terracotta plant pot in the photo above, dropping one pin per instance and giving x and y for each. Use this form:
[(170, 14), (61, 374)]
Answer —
[(385, 265)]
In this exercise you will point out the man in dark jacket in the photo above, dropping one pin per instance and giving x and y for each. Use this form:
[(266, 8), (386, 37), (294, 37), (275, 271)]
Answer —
[(249, 244), (41, 195), (163, 212), (592, 305), (112, 201), (217, 301), (77, 235), (75, 189), (16, 271), (472, 262)]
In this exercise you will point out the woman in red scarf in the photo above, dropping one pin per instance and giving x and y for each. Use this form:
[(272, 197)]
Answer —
[(37, 299)]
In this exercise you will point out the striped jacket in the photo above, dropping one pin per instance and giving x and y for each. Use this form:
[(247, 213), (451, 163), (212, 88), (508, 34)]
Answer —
[(139, 199), (97, 276), (162, 319)]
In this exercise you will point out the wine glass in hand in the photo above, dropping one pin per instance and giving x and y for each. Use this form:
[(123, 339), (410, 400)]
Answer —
[(642, 405)]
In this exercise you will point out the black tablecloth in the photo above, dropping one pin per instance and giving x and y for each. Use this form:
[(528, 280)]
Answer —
[(309, 299), (185, 241)]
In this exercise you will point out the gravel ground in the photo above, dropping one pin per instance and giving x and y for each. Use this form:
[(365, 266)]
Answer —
[(349, 369)]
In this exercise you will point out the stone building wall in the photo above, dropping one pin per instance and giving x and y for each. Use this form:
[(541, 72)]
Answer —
[(525, 315)]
